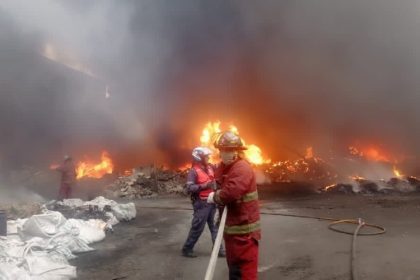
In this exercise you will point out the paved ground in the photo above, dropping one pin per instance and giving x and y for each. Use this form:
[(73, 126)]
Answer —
[(291, 248)]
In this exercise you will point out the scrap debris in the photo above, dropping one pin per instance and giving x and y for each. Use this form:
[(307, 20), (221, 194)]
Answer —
[(149, 182)]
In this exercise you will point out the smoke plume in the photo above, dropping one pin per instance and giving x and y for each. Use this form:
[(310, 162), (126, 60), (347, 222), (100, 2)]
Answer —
[(141, 78)]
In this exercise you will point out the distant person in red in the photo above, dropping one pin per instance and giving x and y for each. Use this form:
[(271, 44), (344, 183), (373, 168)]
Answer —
[(68, 177)]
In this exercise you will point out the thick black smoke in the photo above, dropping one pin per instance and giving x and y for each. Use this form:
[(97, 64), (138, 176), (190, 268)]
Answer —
[(288, 73)]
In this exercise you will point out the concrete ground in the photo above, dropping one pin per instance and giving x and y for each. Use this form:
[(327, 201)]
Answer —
[(291, 248)]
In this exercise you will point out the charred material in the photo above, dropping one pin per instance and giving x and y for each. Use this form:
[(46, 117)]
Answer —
[(83, 212)]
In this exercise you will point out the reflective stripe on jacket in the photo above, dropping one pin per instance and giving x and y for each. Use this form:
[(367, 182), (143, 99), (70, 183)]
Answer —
[(239, 193)]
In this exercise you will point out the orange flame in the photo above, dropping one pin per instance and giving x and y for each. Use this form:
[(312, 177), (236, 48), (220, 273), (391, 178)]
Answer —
[(356, 177), (253, 154), (329, 187), (210, 130), (397, 173), (92, 170)]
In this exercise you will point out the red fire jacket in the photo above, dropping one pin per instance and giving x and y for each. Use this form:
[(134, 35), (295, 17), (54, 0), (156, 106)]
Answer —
[(68, 173), (239, 193), (204, 177)]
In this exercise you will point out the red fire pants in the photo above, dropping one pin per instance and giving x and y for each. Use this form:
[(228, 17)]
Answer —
[(241, 257), (65, 191)]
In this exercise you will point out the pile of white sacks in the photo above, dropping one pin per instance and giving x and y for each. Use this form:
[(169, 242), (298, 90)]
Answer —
[(40, 246)]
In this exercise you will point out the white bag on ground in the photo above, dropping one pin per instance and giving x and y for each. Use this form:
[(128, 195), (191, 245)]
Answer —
[(43, 267), (38, 248), (13, 225), (44, 225), (90, 231), (124, 212), (12, 272)]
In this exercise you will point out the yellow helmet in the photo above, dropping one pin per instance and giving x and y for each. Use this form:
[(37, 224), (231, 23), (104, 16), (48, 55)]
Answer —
[(229, 141)]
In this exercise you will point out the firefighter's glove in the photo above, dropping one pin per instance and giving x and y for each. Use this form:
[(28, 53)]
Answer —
[(210, 198), (209, 185)]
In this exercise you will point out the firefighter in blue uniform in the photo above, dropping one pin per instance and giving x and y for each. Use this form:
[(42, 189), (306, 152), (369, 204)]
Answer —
[(200, 183)]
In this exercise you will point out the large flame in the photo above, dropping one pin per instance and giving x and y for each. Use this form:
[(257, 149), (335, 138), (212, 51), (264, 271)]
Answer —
[(253, 153), (95, 170), (210, 130)]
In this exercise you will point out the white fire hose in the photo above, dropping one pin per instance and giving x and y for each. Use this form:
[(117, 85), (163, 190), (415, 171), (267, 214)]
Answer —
[(216, 247)]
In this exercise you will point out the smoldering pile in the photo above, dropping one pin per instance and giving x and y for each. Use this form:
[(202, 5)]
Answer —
[(75, 209), (365, 186), (149, 182)]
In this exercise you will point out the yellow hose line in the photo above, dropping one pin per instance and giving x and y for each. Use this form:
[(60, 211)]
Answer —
[(330, 226)]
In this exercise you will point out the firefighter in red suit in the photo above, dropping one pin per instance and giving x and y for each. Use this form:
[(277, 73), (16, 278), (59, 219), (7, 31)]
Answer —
[(239, 194), (68, 177)]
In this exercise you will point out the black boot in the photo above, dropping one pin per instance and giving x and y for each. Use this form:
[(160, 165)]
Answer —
[(188, 254), (222, 253)]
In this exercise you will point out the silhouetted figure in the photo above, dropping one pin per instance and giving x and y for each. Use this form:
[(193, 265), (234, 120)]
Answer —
[(68, 177)]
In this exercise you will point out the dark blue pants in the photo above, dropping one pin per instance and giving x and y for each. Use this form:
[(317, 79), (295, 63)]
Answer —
[(203, 214)]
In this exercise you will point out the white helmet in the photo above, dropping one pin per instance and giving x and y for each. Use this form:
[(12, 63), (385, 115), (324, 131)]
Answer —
[(200, 152)]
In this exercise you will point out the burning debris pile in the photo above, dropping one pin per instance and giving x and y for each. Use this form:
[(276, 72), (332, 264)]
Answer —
[(307, 168), (149, 182), (335, 173), (339, 172)]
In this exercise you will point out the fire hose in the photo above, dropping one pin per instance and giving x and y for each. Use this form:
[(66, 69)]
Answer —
[(360, 224), (216, 247), (333, 222)]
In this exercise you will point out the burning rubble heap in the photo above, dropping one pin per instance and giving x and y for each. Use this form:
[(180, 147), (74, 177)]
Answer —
[(307, 168), (325, 175), (327, 179)]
